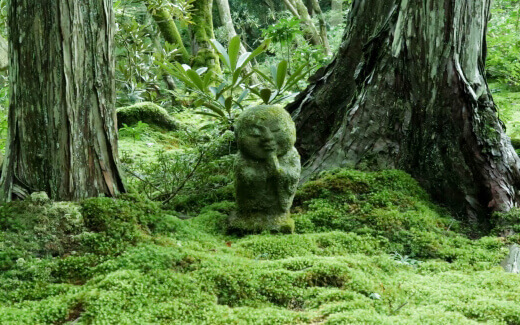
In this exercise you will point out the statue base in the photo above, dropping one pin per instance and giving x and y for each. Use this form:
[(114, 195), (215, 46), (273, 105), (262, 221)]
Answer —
[(259, 222)]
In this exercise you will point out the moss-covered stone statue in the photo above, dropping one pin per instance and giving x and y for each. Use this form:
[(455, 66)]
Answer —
[(267, 170)]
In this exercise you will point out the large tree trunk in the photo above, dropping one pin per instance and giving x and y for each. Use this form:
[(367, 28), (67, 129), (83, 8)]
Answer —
[(201, 32), (62, 129), (407, 90)]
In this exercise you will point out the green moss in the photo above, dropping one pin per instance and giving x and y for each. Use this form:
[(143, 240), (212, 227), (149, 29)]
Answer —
[(148, 267), (146, 112)]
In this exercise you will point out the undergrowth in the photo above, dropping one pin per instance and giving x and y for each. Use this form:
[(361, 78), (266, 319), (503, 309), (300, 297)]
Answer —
[(370, 249)]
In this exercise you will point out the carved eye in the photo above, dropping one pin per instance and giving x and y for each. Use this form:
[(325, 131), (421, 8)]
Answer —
[(255, 132), (275, 130)]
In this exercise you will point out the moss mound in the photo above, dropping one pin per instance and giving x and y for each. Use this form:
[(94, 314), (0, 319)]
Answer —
[(146, 112), (371, 250)]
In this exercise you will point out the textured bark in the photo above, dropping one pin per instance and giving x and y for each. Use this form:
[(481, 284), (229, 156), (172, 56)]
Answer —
[(201, 32), (407, 90), (62, 136), (169, 30)]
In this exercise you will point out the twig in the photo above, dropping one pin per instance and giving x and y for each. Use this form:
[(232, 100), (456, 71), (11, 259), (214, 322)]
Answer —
[(142, 179), (190, 175), (399, 308)]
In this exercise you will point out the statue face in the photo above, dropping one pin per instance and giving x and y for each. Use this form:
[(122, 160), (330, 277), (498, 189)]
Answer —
[(265, 130)]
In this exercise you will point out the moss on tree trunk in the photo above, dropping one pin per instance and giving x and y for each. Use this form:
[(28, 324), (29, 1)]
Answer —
[(201, 33), (169, 30), (62, 134), (407, 90)]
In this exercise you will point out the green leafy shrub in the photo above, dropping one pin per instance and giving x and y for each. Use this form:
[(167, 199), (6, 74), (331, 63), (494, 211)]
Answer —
[(503, 62)]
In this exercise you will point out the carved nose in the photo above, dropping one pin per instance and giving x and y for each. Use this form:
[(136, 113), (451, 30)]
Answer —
[(268, 136)]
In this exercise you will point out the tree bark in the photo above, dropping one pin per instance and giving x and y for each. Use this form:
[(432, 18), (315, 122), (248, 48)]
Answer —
[(62, 130), (169, 30), (407, 90), (201, 32)]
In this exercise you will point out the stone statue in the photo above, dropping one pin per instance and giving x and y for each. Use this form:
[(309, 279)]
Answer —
[(267, 170)]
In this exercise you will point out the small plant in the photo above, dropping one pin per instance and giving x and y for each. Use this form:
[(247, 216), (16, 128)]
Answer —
[(222, 100), (405, 259), (280, 81), (135, 132), (283, 33)]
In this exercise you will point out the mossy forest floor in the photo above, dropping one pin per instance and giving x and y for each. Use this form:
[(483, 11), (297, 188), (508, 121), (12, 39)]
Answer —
[(370, 248)]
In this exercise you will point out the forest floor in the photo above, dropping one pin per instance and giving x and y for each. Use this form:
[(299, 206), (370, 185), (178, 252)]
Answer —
[(369, 248)]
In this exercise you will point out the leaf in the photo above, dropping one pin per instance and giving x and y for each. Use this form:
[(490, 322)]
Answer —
[(281, 72), (200, 71), (259, 50), (215, 109), (243, 96), (208, 114), (274, 73), (236, 76), (265, 94), (207, 126), (295, 77), (217, 91), (207, 80), (229, 103), (233, 51), (195, 78), (243, 59), (222, 52), (265, 77)]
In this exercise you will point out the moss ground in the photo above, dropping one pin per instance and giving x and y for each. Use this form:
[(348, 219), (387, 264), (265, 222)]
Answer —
[(372, 249), (369, 248)]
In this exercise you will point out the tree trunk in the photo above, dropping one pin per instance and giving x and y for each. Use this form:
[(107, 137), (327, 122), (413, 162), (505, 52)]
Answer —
[(270, 4), (227, 20), (299, 10), (201, 33), (4, 54), (62, 129), (407, 90), (289, 5), (323, 26), (169, 30), (337, 12)]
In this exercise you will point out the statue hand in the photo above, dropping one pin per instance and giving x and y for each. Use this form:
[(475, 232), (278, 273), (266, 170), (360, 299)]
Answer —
[(273, 165)]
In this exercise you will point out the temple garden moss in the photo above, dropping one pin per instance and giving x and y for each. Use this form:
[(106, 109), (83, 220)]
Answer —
[(385, 255)]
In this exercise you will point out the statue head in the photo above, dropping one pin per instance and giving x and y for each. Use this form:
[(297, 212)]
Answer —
[(264, 130)]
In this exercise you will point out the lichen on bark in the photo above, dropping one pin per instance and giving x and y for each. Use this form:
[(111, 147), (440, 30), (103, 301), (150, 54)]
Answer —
[(62, 135), (407, 90)]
